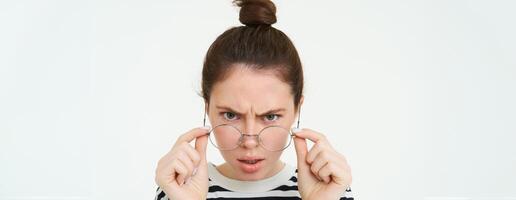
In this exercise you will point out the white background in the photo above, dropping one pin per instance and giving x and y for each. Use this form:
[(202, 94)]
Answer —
[(418, 95)]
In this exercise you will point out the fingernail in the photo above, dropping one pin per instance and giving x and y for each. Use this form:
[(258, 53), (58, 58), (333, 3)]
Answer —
[(207, 127), (194, 171), (296, 130), (187, 180)]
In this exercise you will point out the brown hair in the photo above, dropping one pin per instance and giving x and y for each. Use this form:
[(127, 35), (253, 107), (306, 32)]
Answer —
[(258, 45)]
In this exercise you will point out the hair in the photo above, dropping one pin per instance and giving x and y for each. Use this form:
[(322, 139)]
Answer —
[(257, 45)]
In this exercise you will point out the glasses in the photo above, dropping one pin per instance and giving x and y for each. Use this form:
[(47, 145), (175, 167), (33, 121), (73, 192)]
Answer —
[(226, 137)]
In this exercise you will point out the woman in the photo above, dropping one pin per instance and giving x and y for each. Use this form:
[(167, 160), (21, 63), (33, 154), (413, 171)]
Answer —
[(252, 84)]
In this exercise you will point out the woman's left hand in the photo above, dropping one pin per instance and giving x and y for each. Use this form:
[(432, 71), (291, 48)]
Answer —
[(323, 173)]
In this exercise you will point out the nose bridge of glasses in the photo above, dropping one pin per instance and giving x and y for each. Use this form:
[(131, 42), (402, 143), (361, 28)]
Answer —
[(256, 134), (250, 128), (250, 133), (250, 136)]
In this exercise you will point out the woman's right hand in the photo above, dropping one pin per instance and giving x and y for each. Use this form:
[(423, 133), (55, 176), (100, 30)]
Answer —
[(183, 172)]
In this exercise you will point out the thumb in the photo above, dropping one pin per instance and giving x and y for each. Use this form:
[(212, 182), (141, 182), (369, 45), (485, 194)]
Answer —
[(201, 143), (301, 152)]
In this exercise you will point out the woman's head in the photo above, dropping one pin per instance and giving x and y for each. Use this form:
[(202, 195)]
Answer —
[(252, 78), (257, 46)]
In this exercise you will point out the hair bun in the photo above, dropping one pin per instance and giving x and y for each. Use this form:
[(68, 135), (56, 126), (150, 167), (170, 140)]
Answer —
[(256, 12)]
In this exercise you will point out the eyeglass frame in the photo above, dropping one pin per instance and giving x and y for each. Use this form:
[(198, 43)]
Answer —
[(242, 135)]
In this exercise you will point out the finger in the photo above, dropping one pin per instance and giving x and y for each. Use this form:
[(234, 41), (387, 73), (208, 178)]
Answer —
[(166, 169), (181, 171), (185, 160), (314, 152), (200, 146), (181, 146), (162, 175), (310, 135), (316, 166), (167, 173), (163, 162), (166, 159), (326, 172), (341, 173), (193, 155), (301, 152), (192, 134)]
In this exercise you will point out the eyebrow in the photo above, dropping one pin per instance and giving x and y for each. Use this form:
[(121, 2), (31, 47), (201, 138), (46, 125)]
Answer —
[(239, 113)]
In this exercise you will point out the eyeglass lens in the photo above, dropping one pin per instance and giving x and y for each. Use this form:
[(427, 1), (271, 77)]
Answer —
[(272, 138)]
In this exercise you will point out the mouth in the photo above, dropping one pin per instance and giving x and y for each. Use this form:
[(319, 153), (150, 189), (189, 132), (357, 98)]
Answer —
[(250, 165), (251, 162)]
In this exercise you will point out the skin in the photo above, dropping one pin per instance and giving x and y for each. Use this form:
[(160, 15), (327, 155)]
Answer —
[(252, 94), (243, 99)]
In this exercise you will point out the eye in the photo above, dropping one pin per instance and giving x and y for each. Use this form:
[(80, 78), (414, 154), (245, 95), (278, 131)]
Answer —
[(229, 116), (271, 117)]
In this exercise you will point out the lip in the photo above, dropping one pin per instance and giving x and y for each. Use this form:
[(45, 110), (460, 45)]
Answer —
[(250, 168), (251, 158)]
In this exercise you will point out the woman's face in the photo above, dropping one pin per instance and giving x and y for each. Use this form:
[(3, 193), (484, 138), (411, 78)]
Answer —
[(251, 100)]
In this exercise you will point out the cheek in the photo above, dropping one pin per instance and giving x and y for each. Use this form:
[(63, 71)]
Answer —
[(274, 138), (273, 156), (225, 137), (229, 155), (280, 141)]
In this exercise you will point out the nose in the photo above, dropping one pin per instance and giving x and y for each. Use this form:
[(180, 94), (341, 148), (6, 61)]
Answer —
[(250, 141), (250, 136)]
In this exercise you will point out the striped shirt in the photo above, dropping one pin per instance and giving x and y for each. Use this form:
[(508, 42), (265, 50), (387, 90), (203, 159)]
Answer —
[(283, 185)]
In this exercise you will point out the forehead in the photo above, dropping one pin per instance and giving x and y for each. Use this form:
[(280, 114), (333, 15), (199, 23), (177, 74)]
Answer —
[(243, 88)]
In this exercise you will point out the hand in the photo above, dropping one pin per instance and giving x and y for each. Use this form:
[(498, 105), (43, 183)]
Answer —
[(183, 172), (322, 172)]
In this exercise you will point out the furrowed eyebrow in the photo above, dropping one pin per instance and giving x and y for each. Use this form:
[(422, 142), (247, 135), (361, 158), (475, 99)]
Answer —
[(229, 109), (272, 111), (263, 114)]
